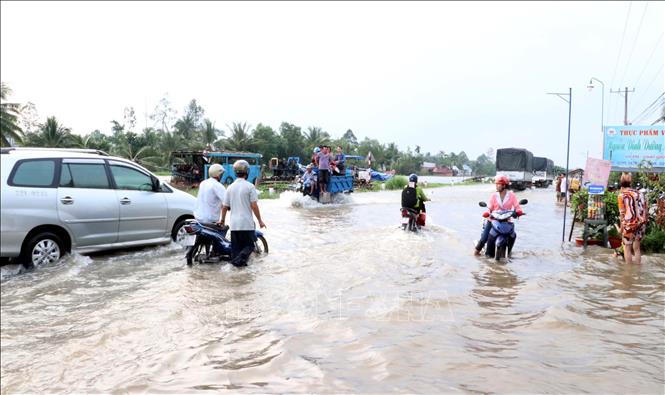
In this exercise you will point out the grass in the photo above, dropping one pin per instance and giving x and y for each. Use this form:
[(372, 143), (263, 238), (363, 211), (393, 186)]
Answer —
[(162, 173)]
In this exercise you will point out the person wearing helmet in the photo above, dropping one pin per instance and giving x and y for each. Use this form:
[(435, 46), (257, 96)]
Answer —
[(502, 199), (414, 197), (210, 197), (242, 199)]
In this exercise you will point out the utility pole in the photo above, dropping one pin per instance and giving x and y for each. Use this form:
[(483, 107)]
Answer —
[(625, 96), (569, 100)]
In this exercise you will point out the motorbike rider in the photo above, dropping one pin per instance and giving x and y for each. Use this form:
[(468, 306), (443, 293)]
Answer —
[(502, 199), (210, 197), (421, 198), (242, 199)]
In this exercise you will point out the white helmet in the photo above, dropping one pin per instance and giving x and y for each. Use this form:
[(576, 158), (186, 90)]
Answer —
[(241, 167), (215, 170)]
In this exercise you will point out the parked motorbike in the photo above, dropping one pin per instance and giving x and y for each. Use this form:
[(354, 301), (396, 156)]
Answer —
[(502, 235), (207, 243)]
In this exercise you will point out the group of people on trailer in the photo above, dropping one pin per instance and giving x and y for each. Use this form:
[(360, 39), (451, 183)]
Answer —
[(322, 167)]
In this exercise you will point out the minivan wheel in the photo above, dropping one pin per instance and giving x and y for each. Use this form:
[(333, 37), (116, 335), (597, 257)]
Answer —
[(43, 248), (179, 233)]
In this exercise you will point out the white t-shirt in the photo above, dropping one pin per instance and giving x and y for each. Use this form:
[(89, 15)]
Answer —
[(564, 185), (239, 197), (209, 201)]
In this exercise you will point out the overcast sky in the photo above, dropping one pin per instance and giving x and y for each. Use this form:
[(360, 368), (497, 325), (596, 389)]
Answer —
[(446, 76)]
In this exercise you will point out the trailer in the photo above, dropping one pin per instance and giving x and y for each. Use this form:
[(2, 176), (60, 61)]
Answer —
[(517, 165), (543, 172), (191, 167)]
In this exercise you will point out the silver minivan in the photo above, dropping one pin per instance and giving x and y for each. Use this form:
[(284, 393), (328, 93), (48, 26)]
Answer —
[(54, 201)]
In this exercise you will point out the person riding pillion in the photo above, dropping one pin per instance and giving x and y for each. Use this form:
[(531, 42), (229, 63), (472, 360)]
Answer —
[(502, 199), (242, 199), (210, 197)]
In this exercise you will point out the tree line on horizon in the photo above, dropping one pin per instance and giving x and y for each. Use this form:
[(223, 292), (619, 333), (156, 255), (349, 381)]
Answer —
[(152, 146)]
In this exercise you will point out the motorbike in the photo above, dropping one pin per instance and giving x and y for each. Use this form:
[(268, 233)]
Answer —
[(207, 243), (502, 235), (412, 220)]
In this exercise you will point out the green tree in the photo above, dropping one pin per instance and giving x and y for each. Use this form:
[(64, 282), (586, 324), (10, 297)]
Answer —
[(51, 134), (266, 141), (293, 141), (315, 136), (168, 143), (9, 122), (210, 134), (164, 115), (351, 141), (240, 138)]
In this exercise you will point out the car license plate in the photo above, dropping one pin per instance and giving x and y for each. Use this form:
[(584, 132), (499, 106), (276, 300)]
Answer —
[(189, 240), (405, 220)]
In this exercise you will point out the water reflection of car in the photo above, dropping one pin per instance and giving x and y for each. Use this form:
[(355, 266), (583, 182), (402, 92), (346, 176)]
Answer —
[(59, 200)]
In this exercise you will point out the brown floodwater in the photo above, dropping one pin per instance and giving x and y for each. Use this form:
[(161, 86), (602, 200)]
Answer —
[(344, 302)]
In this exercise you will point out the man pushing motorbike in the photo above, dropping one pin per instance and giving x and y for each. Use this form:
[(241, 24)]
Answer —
[(502, 199)]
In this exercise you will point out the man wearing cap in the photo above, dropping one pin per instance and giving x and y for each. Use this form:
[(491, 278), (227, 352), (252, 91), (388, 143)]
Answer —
[(211, 195)]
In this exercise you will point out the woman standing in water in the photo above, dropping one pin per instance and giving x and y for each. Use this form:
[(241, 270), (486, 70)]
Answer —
[(633, 219)]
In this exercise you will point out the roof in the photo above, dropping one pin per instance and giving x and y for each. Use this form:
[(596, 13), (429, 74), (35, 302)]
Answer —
[(429, 165), (216, 153), (28, 152)]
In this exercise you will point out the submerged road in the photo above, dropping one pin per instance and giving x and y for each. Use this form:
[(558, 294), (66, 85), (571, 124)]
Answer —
[(345, 302)]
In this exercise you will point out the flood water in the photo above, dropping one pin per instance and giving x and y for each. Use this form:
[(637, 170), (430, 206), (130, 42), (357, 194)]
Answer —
[(345, 302)]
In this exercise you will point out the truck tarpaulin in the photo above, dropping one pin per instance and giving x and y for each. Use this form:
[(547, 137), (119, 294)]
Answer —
[(542, 164), (514, 159)]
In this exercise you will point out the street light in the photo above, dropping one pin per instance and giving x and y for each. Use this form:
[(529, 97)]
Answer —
[(602, 108), (565, 207)]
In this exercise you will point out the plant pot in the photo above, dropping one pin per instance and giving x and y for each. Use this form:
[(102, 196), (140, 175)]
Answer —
[(591, 242), (615, 242)]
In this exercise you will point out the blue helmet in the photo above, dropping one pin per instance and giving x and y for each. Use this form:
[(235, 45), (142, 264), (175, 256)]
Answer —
[(317, 150), (413, 178)]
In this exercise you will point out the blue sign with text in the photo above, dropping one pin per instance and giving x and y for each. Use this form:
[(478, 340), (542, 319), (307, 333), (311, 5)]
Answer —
[(631, 146), (596, 189)]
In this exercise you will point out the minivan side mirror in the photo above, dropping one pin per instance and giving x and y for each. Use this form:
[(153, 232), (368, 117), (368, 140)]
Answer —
[(523, 201), (155, 184)]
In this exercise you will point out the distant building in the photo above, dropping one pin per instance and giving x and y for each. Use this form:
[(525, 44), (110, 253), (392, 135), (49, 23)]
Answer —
[(443, 171), (428, 166)]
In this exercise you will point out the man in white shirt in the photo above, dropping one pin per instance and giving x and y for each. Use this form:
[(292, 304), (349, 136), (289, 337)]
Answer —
[(564, 188), (242, 199), (211, 195)]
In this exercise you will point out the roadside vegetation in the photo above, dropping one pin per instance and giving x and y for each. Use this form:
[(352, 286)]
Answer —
[(169, 130)]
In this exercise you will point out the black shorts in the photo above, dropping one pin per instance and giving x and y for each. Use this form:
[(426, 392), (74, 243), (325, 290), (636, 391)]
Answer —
[(324, 176)]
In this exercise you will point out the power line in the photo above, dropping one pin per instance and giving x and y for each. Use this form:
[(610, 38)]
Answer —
[(648, 108), (637, 36), (649, 61), (646, 91), (623, 36), (648, 115)]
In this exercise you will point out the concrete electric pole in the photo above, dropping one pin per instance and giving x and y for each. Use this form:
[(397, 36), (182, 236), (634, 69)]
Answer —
[(625, 96)]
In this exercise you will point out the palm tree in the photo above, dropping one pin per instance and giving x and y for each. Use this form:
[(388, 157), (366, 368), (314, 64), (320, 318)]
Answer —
[(51, 134), (169, 142), (78, 141), (240, 138), (9, 112), (210, 133), (315, 136), (186, 126), (144, 156)]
